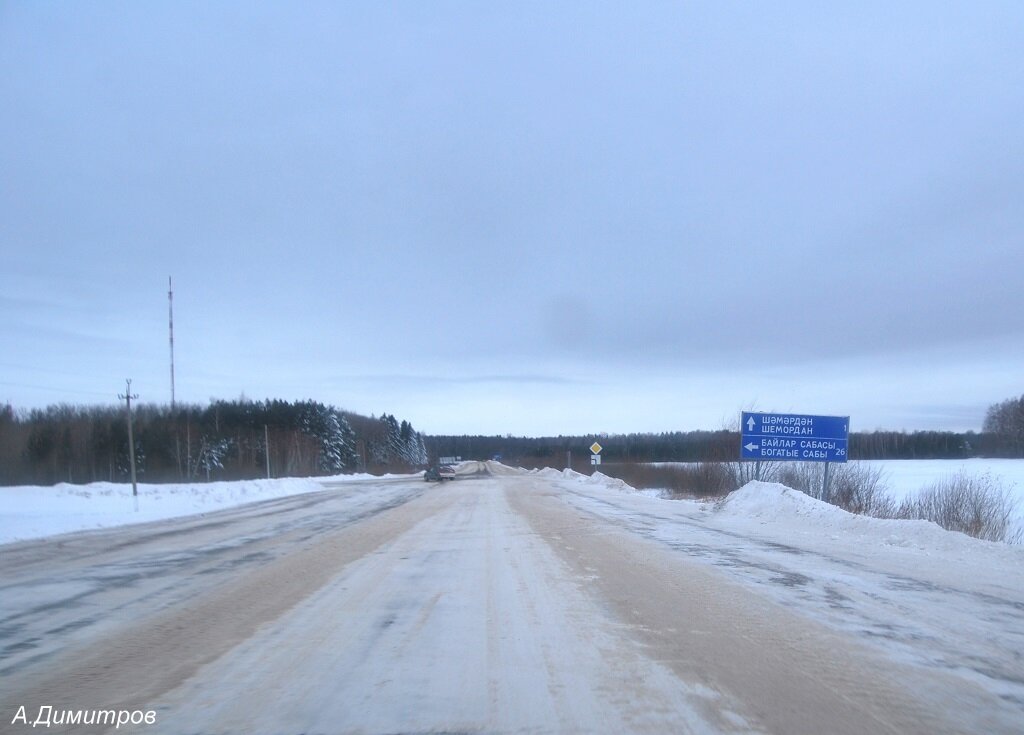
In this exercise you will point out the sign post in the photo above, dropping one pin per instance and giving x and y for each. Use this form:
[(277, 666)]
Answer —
[(789, 437), (595, 453), (824, 484)]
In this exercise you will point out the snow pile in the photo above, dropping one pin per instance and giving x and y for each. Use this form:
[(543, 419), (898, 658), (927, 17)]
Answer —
[(502, 470), (799, 515), (796, 514), (611, 482), (905, 478), (30, 511), (598, 478), (772, 501), (566, 474), (602, 480)]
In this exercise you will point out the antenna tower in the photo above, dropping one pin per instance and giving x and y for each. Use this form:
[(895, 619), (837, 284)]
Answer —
[(170, 326)]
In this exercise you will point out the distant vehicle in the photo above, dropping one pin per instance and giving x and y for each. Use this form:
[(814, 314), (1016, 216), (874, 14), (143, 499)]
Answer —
[(438, 473)]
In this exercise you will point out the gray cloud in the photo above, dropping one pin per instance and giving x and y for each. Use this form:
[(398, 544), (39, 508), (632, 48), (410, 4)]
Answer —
[(534, 195)]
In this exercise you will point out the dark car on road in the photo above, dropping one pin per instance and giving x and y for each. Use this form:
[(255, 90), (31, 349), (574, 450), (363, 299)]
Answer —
[(437, 473)]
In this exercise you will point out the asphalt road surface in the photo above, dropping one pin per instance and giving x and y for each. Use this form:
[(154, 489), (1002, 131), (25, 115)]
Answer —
[(488, 604)]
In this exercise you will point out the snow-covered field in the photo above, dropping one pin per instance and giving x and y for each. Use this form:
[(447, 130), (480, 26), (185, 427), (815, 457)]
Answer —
[(31, 511), (907, 476)]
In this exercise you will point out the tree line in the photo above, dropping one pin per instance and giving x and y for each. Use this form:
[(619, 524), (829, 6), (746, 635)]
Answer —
[(709, 446), (229, 440), (1005, 421), (225, 440), (1002, 435)]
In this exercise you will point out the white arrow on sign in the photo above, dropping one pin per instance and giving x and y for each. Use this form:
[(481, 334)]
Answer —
[(750, 423), (751, 447)]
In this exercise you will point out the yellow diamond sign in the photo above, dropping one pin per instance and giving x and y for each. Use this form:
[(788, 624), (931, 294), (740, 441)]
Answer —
[(596, 448)]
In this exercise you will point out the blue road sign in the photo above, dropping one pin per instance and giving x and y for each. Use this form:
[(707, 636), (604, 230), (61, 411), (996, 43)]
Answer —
[(790, 437)]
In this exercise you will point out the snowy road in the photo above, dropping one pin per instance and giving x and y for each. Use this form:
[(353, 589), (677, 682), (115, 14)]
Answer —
[(514, 603)]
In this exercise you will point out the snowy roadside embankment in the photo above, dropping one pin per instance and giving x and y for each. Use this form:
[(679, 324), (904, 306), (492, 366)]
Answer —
[(792, 514), (598, 478), (32, 511), (795, 515), (899, 480)]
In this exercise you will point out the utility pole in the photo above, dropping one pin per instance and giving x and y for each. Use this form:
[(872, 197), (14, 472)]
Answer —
[(266, 443), (170, 332), (127, 398)]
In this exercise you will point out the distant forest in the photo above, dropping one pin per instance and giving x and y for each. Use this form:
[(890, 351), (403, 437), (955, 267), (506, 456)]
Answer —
[(226, 440), (706, 446), (1002, 436), (231, 440)]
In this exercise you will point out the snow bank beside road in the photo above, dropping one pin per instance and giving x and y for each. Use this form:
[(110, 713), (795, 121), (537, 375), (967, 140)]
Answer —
[(904, 478), (797, 514), (773, 500), (792, 514), (32, 511), (598, 478)]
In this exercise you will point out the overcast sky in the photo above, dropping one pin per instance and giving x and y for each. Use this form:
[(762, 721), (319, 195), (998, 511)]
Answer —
[(527, 218)]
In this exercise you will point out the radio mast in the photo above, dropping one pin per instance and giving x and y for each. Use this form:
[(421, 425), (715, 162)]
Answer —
[(170, 326)]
